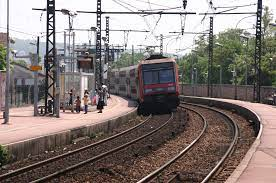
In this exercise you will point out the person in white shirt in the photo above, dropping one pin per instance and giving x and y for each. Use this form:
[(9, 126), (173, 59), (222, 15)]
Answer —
[(105, 90)]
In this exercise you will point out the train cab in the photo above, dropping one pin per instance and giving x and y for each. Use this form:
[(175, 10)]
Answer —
[(158, 83)]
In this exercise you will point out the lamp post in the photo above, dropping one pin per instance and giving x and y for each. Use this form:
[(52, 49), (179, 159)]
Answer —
[(243, 19), (71, 16), (246, 64), (192, 69), (36, 77), (195, 79), (182, 82), (6, 114), (235, 82), (220, 71)]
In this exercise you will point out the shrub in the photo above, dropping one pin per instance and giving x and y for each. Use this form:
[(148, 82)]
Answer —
[(4, 156)]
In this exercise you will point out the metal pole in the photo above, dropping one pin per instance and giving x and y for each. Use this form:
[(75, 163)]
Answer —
[(258, 53), (7, 70), (192, 73), (220, 79), (246, 70), (132, 54), (73, 70), (192, 81), (196, 81), (182, 88), (69, 50), (210, 60), (57, 104), (64, 76), (235, 80), (36, 79)]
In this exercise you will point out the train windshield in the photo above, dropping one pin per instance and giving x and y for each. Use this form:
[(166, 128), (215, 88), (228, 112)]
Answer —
[(158, 73)]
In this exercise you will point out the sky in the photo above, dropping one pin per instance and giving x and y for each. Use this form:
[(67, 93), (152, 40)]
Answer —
[(32, 23)]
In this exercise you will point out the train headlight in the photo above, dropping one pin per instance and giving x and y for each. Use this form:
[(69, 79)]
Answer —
[(171, 88), (148, 90)]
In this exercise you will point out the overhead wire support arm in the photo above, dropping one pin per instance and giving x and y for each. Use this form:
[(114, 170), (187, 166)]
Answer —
[(113, 30), (175, 32), (142, 12), (229, 13), (131, 12)]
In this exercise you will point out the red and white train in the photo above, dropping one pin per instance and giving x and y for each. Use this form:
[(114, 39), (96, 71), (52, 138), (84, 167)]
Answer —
[(153, 83)]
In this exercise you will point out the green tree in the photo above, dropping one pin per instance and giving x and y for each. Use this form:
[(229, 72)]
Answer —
[(2, 57), (126, 60), (20, 62), (267, 18)]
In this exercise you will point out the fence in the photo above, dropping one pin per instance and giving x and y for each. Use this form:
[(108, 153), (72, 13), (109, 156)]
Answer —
[(23, 95), (227, 91)]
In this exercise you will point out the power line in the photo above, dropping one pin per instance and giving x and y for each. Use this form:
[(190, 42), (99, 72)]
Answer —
[(233, 13), (164, 9), (21, 32), (123, 5), (238, 6), (153, 4)]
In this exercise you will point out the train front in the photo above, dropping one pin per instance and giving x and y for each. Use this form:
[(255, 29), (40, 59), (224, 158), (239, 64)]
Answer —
[(159, 87)]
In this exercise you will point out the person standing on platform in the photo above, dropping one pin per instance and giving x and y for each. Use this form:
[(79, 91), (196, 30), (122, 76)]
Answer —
[(70, 97), (86, 92), (71, 100), (78, 104), (104, 88), (100, 104), (274, 97), (85, 101)]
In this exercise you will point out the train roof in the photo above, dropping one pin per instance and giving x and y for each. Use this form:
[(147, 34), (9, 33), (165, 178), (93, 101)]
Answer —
[(154, 61)]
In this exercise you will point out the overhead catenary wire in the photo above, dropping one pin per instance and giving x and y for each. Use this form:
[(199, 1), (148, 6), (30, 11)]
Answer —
[(237, 6), (145, 20), (153, 4), (21, 32)]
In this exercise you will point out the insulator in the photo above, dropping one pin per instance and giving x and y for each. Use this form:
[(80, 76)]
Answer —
[(184, 4)]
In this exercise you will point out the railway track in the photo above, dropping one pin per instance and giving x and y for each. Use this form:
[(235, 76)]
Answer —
[(59, 165), (197, 157), (173, 171), (133, 163)]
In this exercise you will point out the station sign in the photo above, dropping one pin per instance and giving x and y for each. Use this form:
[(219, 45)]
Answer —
[(36, 68)]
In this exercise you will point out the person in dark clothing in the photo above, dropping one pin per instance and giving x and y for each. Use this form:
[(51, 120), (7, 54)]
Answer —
[(70, 97), (100, 100), (78, 104)]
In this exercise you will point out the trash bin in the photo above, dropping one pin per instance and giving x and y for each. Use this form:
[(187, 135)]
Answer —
[(50, 106), (274, 98)]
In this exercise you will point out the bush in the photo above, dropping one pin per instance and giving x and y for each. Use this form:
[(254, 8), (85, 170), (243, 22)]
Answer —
[(4, 156)]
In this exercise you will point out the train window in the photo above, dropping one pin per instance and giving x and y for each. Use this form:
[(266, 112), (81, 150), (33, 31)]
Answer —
[(161, 76), (165, 65), (150, 77), (166, 76)]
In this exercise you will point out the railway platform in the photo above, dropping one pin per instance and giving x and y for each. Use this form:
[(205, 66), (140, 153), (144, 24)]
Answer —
[(259, 164), (25, 132)]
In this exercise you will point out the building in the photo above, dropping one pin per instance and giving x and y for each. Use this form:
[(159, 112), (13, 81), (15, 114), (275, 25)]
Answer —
[(3, 38)]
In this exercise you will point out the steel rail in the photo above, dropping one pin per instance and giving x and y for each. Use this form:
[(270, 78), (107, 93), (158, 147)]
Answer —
[(155, 173), (50, 160), (100, 156), (232, 145)]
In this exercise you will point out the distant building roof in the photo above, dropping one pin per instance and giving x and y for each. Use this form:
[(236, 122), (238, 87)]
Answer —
[(3, 38)]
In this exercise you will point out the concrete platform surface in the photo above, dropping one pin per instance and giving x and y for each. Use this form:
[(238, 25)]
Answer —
[(259, 165), (23, 125)]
